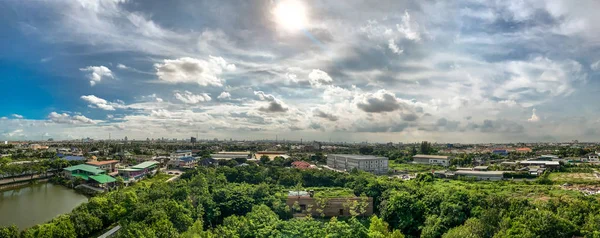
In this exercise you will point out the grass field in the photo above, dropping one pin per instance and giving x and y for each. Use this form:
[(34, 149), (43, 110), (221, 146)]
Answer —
[(414, 168), (574, 178)]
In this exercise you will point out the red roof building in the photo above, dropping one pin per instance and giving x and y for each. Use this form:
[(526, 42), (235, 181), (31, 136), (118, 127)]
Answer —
[(301, 165)]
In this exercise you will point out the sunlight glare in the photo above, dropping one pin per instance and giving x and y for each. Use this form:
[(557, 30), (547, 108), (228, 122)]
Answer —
[(291, 15)]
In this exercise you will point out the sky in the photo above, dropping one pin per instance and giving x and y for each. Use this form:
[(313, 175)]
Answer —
[(468, 71)]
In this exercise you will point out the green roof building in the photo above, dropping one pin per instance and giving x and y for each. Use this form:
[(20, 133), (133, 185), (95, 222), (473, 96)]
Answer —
[(103, 179), (145, 165), (83, 171)]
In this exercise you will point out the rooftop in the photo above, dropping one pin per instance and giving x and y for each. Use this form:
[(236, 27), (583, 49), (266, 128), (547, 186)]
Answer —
[(98, 163), (144, 165), (359, 157), (86, 168), (431, 157), (73, 158), (480, 173), (103, 178)]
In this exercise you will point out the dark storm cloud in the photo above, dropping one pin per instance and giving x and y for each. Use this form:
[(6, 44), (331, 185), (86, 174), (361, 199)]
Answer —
[(322, 114), (385, 102), (274, 106), (501, 125), (383, 128), (409, 116)]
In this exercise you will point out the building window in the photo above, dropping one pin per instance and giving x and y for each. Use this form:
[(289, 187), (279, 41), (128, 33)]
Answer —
[(303, 207), (341, 212)]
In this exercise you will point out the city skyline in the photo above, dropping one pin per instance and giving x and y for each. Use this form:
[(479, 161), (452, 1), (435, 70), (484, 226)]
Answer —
[(462, 71)]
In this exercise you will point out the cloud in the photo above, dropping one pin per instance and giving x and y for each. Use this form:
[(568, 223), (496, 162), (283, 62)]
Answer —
[(97, 73), (3, 118), (224, 95), (381, 101), (274, 104), (122, 66), (65, 118), (534, 117), (190, 98), (192, 70), (392, 45), (264, 96), (96, 102), (17, 116), (319, 77), (318, 113), (14, 133), (500, 126), (409, 28), (595, 66)]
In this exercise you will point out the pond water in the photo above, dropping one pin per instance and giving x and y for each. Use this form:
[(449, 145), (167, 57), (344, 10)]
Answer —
[(35, 204)]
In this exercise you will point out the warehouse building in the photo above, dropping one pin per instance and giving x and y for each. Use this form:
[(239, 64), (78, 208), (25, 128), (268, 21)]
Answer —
[(368, 163), (432, 159)]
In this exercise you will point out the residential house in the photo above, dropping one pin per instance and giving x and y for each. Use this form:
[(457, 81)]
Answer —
[(187, 162), (137, 172), (302, 165), (110, 166)]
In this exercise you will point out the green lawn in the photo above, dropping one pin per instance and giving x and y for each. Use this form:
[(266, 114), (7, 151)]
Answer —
[(574, 178), (414, 168)]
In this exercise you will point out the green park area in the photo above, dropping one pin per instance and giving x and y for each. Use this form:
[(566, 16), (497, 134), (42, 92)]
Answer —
[(249, 201)]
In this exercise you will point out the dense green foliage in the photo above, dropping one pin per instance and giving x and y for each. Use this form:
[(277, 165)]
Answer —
[(249, 201)]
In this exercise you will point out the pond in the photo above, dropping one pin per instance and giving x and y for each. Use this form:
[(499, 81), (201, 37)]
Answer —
[(36, 204)]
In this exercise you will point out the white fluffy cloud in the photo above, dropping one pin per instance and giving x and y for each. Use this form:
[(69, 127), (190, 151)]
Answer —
[(192, 70), (97, 73), (319, 77), (64, 118), (409, 28), (96, 102), (394, 48), (534, 117), (224, 95), (17, 116), (190, 98), (122, 66)]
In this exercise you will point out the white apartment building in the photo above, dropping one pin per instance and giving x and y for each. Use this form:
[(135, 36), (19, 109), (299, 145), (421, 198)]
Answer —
[(368, 163)]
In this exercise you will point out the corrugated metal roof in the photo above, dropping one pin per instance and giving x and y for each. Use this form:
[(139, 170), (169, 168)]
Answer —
[(86, 168), (103, 178), (144, 165)]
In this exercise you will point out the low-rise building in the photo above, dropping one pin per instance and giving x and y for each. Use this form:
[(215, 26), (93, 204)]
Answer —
[(231, 155), (82, 171), (137, 172), (271, 154), (368, 163), (544, 164), (301, 165), (432, 159), (187, 162), (110, 166), (481, 175)]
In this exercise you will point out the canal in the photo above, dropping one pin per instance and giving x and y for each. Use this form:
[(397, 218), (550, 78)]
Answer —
[(36, 204)]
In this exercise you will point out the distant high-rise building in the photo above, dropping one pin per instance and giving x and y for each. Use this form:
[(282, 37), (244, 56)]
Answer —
[(125, 138), (193, 139)]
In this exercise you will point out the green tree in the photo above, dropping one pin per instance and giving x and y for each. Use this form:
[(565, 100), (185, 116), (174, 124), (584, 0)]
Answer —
[(9, 232), (264, 159)]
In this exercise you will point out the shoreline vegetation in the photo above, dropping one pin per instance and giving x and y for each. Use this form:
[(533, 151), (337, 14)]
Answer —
[(249, 201)]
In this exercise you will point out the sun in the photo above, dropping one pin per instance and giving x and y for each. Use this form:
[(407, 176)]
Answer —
[(291, 15)]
